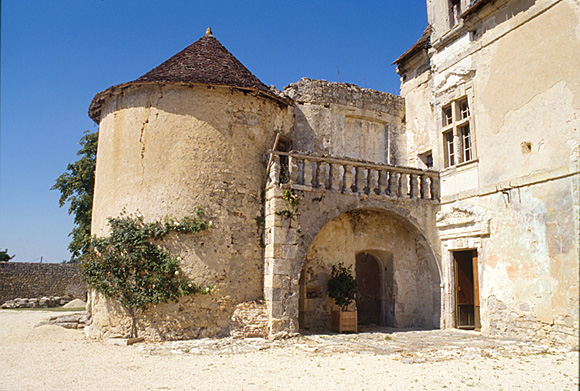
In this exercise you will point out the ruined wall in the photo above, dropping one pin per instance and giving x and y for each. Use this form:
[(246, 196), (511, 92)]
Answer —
[(163, 151), (344, 120), (20, 279), (516, 63), (407, 273)]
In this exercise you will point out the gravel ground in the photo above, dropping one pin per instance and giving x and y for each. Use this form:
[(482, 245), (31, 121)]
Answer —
[(49, 357)]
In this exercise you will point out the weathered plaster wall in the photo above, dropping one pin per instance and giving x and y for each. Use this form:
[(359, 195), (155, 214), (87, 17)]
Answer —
[(419, 117), (399, 252), (517, 64), (528, 98), (164, 150), (349, 121)]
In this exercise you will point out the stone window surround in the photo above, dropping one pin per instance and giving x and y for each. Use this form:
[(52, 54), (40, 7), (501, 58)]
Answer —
[(456, 128)]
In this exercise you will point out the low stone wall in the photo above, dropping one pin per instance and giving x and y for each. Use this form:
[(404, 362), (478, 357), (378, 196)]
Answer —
[(18, 279)]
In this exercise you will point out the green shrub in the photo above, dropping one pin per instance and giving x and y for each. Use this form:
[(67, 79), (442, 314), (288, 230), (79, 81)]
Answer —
[(131, 265), (342, 287)]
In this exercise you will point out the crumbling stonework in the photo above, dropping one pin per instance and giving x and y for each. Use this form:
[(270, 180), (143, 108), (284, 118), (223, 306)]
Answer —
[(346, 120), (249, 320)]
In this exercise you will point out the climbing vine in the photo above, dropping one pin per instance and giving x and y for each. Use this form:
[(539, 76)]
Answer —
[(132, 266), (293, 201)]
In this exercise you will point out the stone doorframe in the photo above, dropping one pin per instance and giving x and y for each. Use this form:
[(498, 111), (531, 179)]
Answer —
[(461, 226), (290, 228)]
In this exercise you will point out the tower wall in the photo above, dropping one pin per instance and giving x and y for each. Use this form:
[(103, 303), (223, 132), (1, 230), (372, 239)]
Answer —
[(165, 150)]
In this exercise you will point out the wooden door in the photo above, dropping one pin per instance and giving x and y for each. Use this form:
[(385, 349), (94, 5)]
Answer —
[(466, 289), (368, 277)]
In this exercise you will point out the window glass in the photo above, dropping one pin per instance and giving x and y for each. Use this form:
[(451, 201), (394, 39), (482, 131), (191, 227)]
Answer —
[(449, 149), (447, 116), (463, 110)]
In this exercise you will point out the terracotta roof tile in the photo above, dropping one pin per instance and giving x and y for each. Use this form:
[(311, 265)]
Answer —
[(206, 61)]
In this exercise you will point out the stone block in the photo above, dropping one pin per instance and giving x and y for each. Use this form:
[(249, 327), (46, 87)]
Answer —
[(279, 266), (273, 220), (284, 236), (273, 250), (276, 281), (279, 325), (273, 294)]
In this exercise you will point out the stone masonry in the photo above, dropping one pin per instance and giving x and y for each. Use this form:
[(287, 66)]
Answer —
[(20, 279)]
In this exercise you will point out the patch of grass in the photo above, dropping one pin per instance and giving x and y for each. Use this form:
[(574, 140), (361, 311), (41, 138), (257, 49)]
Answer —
[(388, 338), (53, 309)]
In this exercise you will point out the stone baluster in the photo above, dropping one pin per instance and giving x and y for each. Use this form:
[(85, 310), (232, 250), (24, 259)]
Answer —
[(413, 186), (322, 175), (374, 182), (275, 170), (348, 180), (434, 188), (360, 180), (307, 173), (294, 169), (403, 185), (335, 177), (393, 184), (424, 187), (382, 183)]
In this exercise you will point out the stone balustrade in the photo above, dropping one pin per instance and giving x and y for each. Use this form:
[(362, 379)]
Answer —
[(352, 177)]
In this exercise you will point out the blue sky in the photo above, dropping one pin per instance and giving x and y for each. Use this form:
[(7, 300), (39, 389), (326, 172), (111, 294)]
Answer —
[(56, 55)]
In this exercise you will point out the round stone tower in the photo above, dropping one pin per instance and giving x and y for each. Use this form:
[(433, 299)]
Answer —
[(192, 132)]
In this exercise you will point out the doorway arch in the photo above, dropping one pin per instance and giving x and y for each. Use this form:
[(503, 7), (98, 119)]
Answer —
[(409, 279)]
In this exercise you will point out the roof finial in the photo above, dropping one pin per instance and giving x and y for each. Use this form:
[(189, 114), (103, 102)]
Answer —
[(208, 32)]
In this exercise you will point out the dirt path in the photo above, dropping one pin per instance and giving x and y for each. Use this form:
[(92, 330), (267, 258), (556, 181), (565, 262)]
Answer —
[(53, 358)]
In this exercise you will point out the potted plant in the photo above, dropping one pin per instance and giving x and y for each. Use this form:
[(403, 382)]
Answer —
[(342, 288)]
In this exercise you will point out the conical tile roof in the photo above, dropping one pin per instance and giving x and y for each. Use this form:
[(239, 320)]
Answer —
[(206, 61)]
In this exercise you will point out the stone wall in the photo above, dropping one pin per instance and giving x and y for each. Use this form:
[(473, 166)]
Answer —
[(19, 279), (163, 151), (346, 120)]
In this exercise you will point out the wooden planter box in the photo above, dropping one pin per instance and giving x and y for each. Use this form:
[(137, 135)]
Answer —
[(344, 321)]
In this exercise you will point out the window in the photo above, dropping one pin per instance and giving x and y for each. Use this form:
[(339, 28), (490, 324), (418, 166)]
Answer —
[(457, 135), (449, 149), (454, 12), (426, 159)]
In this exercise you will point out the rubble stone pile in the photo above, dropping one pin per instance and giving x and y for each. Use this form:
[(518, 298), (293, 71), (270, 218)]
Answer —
[(39, 302)]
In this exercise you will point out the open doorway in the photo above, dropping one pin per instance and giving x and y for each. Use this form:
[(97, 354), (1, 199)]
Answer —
[(368, 301), (466, 290)]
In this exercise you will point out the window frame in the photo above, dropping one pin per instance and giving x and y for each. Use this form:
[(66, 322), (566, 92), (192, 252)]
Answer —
[(457, 135)]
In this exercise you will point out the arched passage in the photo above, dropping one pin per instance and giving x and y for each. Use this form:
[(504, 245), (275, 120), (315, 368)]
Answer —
[(409, 293)]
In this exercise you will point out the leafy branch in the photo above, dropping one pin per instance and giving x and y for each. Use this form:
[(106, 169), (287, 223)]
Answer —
[(131, 265)]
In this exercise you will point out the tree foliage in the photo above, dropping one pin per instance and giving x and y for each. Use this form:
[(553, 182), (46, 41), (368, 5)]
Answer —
[(77, 186), (4, 256), (132, 267), (342, 287)]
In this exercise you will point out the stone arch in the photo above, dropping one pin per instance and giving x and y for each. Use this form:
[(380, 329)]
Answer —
[(405, 257)]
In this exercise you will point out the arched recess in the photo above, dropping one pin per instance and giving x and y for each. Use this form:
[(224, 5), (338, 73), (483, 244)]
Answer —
[(410, 283)]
